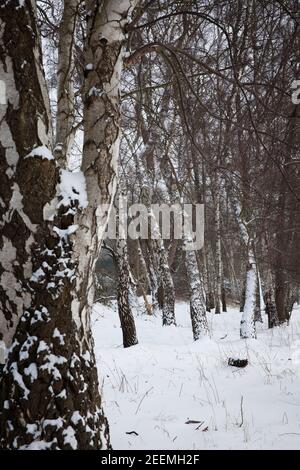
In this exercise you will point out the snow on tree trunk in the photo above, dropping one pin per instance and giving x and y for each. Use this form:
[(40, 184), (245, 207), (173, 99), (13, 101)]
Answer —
[(248, 329), (65, 88), (197, 295), (51, 231), (250, 288), (26, 184)]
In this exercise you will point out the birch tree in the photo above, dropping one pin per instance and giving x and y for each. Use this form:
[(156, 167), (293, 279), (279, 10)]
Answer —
[(219, 275), (125, 284), (197, 294), (52, 223), (65, 89)]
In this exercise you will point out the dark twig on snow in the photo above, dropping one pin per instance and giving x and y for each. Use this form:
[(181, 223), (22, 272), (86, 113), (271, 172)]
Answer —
[(237, 362)]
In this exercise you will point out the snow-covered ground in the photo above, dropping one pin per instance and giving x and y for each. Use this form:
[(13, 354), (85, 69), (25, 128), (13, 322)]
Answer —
[(156, 387)]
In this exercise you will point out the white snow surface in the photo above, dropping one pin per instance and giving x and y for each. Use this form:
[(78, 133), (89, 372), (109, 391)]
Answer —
[(73, 187), (41, 152), (157, 386)]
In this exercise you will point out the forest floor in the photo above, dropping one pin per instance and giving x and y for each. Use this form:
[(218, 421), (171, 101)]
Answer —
[(169, 392)]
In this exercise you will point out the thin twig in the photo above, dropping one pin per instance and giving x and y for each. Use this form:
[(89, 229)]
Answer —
[(242, 412), (144, 396)]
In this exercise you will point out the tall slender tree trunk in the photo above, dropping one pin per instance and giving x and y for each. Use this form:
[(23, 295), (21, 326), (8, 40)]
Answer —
[(210, 296), (160, 274), (271, 310), (145, 283), (281, 284), (224, 303), (165, 276), (257, 313), (65, 89), (243, 295), (218, 254), (197, 294), (285, 219), (52, 224), (250, 290), (248, 329), (152, 270), (124, 286), (205, 250), (26, 184), (233, 276)]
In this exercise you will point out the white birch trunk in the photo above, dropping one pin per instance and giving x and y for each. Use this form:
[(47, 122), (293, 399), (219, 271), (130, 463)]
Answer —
[(197, 294), (146, 283), (124, 284), (49, 397), (65, 88), (165, 276), (248, 329)]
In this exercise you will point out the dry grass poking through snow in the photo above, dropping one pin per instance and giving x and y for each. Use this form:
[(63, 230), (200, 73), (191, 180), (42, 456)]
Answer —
[(178, 394)]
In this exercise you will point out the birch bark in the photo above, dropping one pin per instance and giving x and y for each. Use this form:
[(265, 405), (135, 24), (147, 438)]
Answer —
[(197, 294), (124, 284), (65, 88), (52, 223)]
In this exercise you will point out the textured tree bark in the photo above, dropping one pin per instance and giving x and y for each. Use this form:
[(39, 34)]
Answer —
[(165, 276), (197, 295), (26, 184), (124, 286), (224, 304), (208, 273), (159, 269), (243, 296), (144, 283), (250, 290), (285, 219), (248, 329), (228, 249), (162, 287), (271, 310), (281, 285), (154, 281), (291, 300), (218, 297), (257, 312), (138, 267), (51, 230), (124, 307), (210, 301), (65, 89)]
